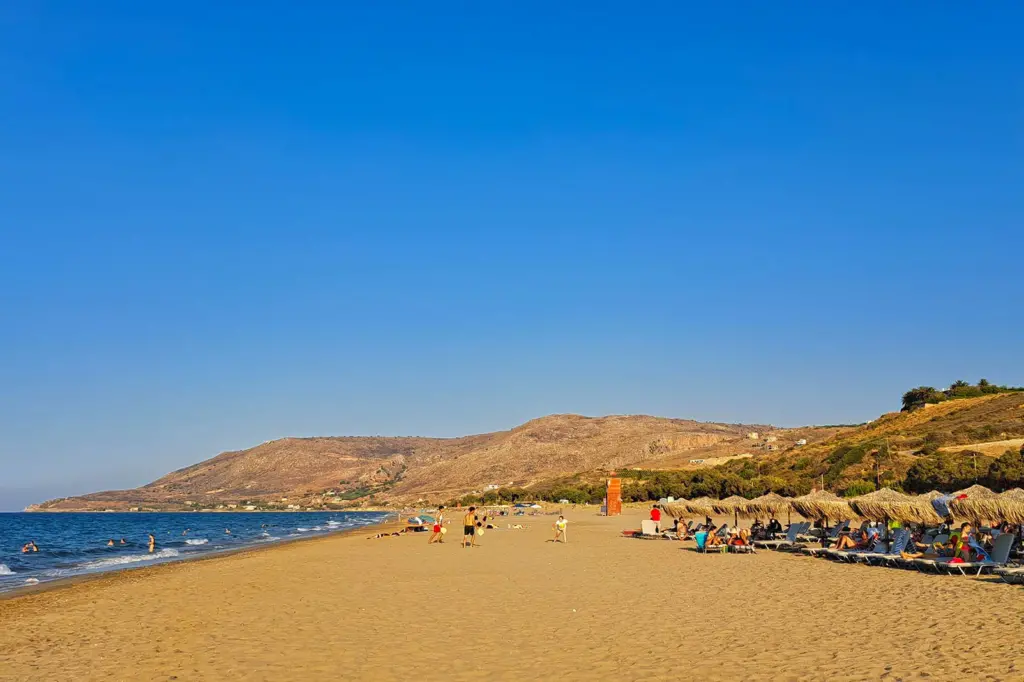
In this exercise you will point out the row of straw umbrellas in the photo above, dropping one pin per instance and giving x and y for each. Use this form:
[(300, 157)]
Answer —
[(976, 504)]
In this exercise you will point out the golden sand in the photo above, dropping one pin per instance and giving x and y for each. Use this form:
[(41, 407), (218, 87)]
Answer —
[(517, 608)]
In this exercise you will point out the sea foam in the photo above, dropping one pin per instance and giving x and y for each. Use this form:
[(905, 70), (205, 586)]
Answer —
[(196, 541), (5, 570), (129, 559)]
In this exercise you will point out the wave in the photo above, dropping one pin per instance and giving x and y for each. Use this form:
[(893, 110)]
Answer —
[(129, 559), (334, 524), (266, 538), (4, 570), (197, 541)]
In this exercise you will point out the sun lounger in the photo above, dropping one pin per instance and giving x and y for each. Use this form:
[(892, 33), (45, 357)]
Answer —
[(702, 543), (852, 554), (899, 544), (1000, 555), (1014, 576), (791, 536), (836, 531)]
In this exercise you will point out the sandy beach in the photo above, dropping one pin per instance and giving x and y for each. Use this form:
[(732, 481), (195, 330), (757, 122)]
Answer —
[(517, 607)]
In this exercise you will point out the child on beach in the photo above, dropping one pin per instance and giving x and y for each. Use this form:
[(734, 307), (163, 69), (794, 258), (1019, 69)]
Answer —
[(437, 536), (560, 535), (152, 543), (469, 528)]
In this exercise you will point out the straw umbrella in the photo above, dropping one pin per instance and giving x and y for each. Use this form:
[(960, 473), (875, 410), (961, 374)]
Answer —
[(977, 505), (735, 504), (768, 505), (928, 514), (886, 504), (676, 509), (702, 505), (1011, 505), (821, 505)]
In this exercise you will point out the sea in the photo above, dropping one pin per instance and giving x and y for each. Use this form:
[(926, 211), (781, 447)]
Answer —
[(76, 544)]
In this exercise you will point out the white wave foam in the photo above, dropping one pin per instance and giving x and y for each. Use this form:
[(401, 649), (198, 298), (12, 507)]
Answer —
[(130, 559), (196, 541), (31, 581), (266, 537), (305, 530), (333, 524), (5, 570)]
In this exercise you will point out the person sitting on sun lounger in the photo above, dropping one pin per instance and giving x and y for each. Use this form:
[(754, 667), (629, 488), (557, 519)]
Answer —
[(956, 545), (741, 539), (714, 540), (774, 528)]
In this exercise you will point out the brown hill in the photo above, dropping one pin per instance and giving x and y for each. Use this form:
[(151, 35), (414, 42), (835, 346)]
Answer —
[(337, 471)]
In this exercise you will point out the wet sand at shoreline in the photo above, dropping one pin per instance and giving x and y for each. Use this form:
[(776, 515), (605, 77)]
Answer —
[(517, 607)]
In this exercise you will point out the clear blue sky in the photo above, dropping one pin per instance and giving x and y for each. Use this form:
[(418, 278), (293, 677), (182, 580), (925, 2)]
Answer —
[(221, 226)]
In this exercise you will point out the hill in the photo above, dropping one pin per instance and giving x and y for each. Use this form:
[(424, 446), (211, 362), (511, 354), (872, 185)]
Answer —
[(337, 471), (945, 446)]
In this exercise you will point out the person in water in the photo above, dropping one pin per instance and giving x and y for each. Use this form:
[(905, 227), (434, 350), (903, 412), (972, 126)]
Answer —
[(227, 532), (110, 542), (123, 542), (152, 543), (30, 546)]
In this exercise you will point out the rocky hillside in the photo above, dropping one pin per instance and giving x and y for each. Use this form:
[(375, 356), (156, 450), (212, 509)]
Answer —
[(336, 472)]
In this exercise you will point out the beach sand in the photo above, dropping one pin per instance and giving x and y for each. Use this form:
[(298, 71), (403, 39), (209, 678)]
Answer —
[(517, 608)]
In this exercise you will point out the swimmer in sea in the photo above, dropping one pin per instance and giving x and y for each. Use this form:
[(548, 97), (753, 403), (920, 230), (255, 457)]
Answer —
[(30, 547), (227, 532), (152, 543), (110, 542), (123, 542), (185, 532)]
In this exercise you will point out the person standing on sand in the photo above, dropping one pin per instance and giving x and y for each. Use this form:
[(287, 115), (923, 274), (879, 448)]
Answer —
[(152, 543), (656, 517), (469, 528), (437, 536), (560, 526)]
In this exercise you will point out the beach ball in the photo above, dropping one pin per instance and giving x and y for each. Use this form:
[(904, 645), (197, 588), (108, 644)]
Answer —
[(479, 531)]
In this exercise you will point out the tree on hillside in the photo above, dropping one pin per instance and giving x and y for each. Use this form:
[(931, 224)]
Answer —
[(1008, 470), (982, 383), (959, 383), (917, 397)]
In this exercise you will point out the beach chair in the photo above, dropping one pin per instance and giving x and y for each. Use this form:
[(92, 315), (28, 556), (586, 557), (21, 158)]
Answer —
[(836, 531), (794, 530), (851, 554), (701, 537), (742, 549), (1000, 555), (649, 528), (899, 544), (1013, 576)]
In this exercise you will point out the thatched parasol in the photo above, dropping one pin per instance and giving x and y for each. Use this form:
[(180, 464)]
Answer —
[(886, 504), (1010, 505), (977, 505), (929, 516), (702, 505), (677, 509), (735, 504), (821, 505), (771, 504)]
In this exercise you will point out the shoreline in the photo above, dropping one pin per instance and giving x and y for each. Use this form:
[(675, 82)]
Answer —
[(601, 606), (70, 581)]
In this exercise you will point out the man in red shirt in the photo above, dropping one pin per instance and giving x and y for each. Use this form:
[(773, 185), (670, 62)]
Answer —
[(656, 516)]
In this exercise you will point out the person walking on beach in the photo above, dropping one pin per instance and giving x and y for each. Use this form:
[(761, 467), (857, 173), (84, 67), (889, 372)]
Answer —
[(469, 528), (152, 543), (437, 536), (560, 526)]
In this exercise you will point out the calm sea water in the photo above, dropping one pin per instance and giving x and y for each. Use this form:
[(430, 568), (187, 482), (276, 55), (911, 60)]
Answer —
[(74, 544)]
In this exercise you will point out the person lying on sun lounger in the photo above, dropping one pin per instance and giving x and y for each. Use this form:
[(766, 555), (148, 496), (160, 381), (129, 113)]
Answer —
[(860, 539)]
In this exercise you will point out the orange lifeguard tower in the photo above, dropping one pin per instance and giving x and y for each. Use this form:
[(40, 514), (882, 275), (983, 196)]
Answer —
[(613, 497)]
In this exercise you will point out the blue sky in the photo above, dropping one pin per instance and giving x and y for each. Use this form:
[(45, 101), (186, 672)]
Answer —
[(219, 227)]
